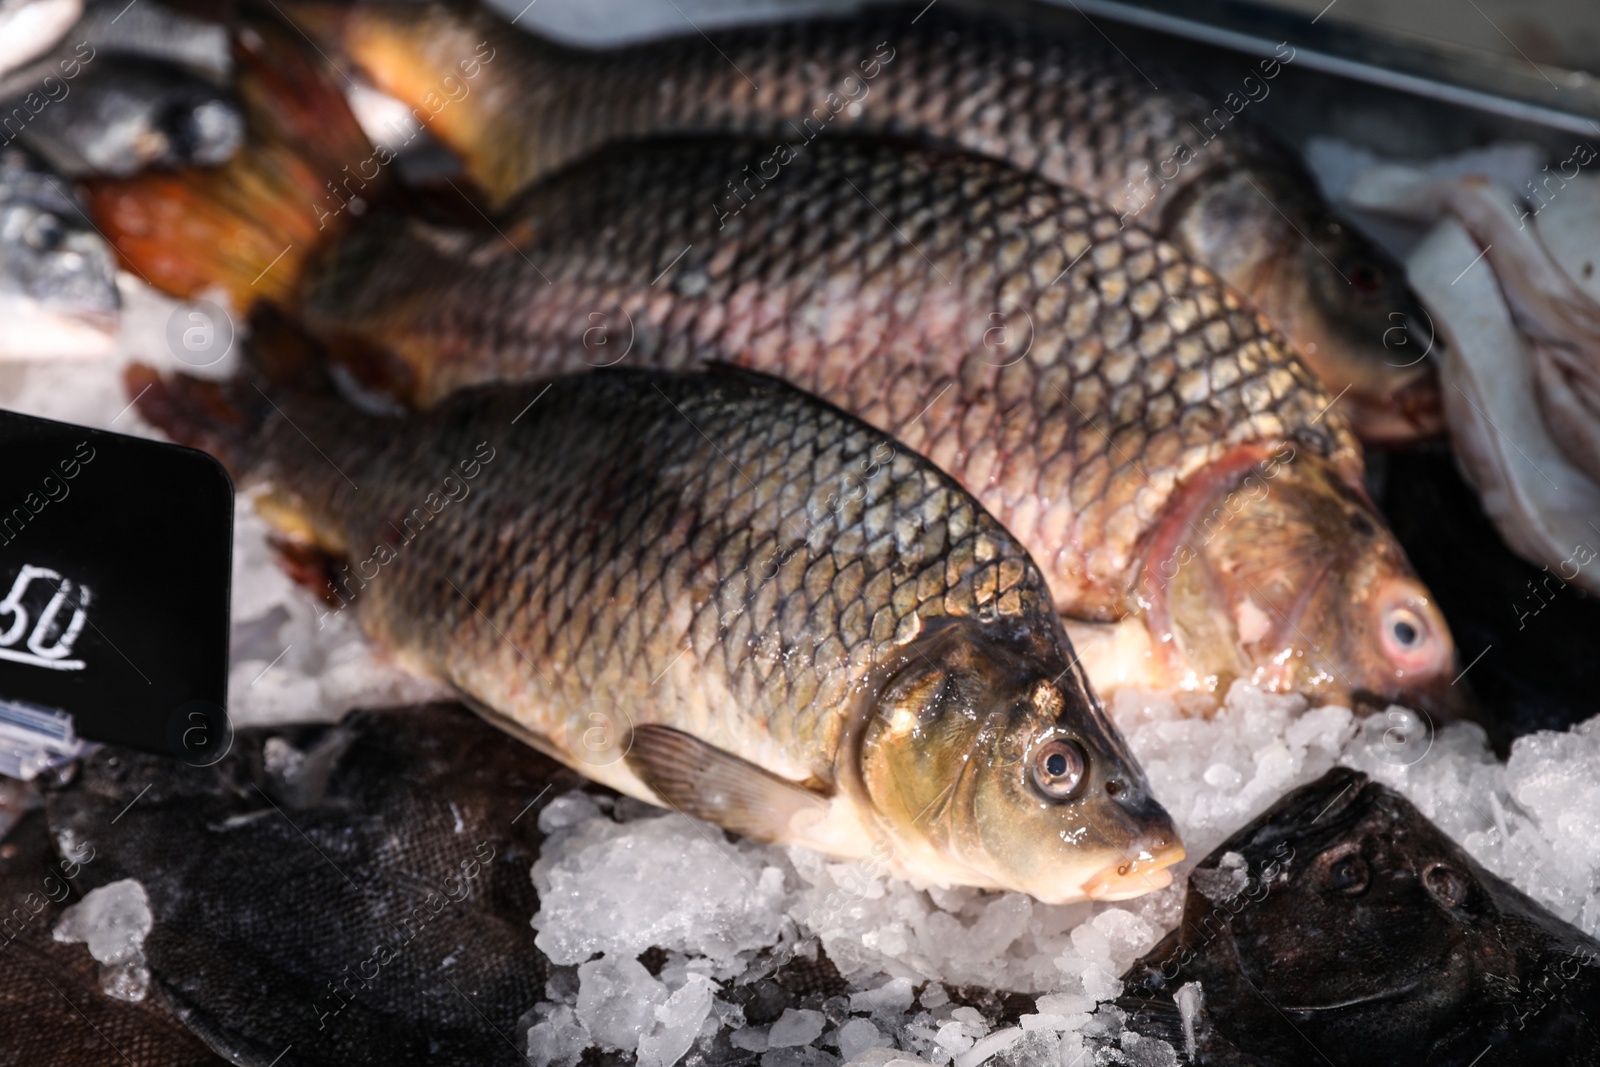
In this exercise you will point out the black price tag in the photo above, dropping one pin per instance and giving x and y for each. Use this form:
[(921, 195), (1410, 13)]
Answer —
[(115, 556)]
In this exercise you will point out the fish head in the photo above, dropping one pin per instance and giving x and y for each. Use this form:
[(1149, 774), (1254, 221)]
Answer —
[(149, 114), (1345, 909), (1343, 302), (1280, 573), (58, 290), (1358, 324), (990, 771)]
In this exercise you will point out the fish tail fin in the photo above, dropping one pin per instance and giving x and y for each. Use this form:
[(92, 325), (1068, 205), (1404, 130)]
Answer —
[(281, 366), (230, 420), (224, 418), (253, 426), (476, 83), (251, 226)]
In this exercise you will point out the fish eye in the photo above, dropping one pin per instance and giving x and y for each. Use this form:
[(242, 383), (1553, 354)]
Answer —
[(1346, 872), (1448, 885), (1406, 628), (44, 233), (1405, 633), (1409, 631), (1058, 768), (177, 123), (1407, 637), (1366, 278)]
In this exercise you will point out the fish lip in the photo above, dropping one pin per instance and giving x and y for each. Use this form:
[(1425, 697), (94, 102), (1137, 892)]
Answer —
[(1410, 415), (1134, 878)]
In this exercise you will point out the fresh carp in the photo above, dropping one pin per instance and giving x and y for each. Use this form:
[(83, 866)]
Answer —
[(716, 593), (1342, 927), (1069, 107), (1149, 439)]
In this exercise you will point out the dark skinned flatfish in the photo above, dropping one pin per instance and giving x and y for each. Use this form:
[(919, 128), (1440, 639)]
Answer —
[(309, 889), (53, 1012), (1343, 927)]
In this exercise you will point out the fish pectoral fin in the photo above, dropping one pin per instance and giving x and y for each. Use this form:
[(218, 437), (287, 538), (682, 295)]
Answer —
[(1152, 1017), (704, 781)]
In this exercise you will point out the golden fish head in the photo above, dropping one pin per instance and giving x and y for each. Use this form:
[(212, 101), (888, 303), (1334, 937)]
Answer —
[(983, 770), (1280, 573)]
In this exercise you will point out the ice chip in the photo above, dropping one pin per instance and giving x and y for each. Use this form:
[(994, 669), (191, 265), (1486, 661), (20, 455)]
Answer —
[(995, 1043), (1223, 882), (617, 1000), (680, 887), (894, 995), (1063, 1004), (1101, 982), (1091, 944), (1189, 998), (568, 810), (796, 1027), (113, 922), (857, 1036), (956, 1036), (751, 1039), (559, 1040), (887, 1057), (678, 1023)]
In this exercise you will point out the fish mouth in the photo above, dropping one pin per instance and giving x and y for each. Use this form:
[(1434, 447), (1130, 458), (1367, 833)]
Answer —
[(1353, 1002), (1126, 879), (1408, 415)]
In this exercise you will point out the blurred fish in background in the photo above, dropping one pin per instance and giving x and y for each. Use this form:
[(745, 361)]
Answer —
[(97, 89), (125, 113), (58, 288)]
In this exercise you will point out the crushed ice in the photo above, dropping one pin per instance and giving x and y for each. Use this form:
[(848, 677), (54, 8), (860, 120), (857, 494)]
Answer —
[(113, 922), (617, 879)]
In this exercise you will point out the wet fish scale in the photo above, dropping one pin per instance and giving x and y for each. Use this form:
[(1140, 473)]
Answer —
[(769, 287), (1058, 100), (686, 592)]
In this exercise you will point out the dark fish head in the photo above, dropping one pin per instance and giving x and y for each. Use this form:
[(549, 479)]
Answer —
[(58, 290), (1340, 299), (1349, 874), (128, 114), (1007, 777), (1283, 575), (1343, 920)]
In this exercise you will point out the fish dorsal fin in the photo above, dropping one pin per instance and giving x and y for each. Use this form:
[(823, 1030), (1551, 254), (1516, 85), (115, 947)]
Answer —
[(704, 781)]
